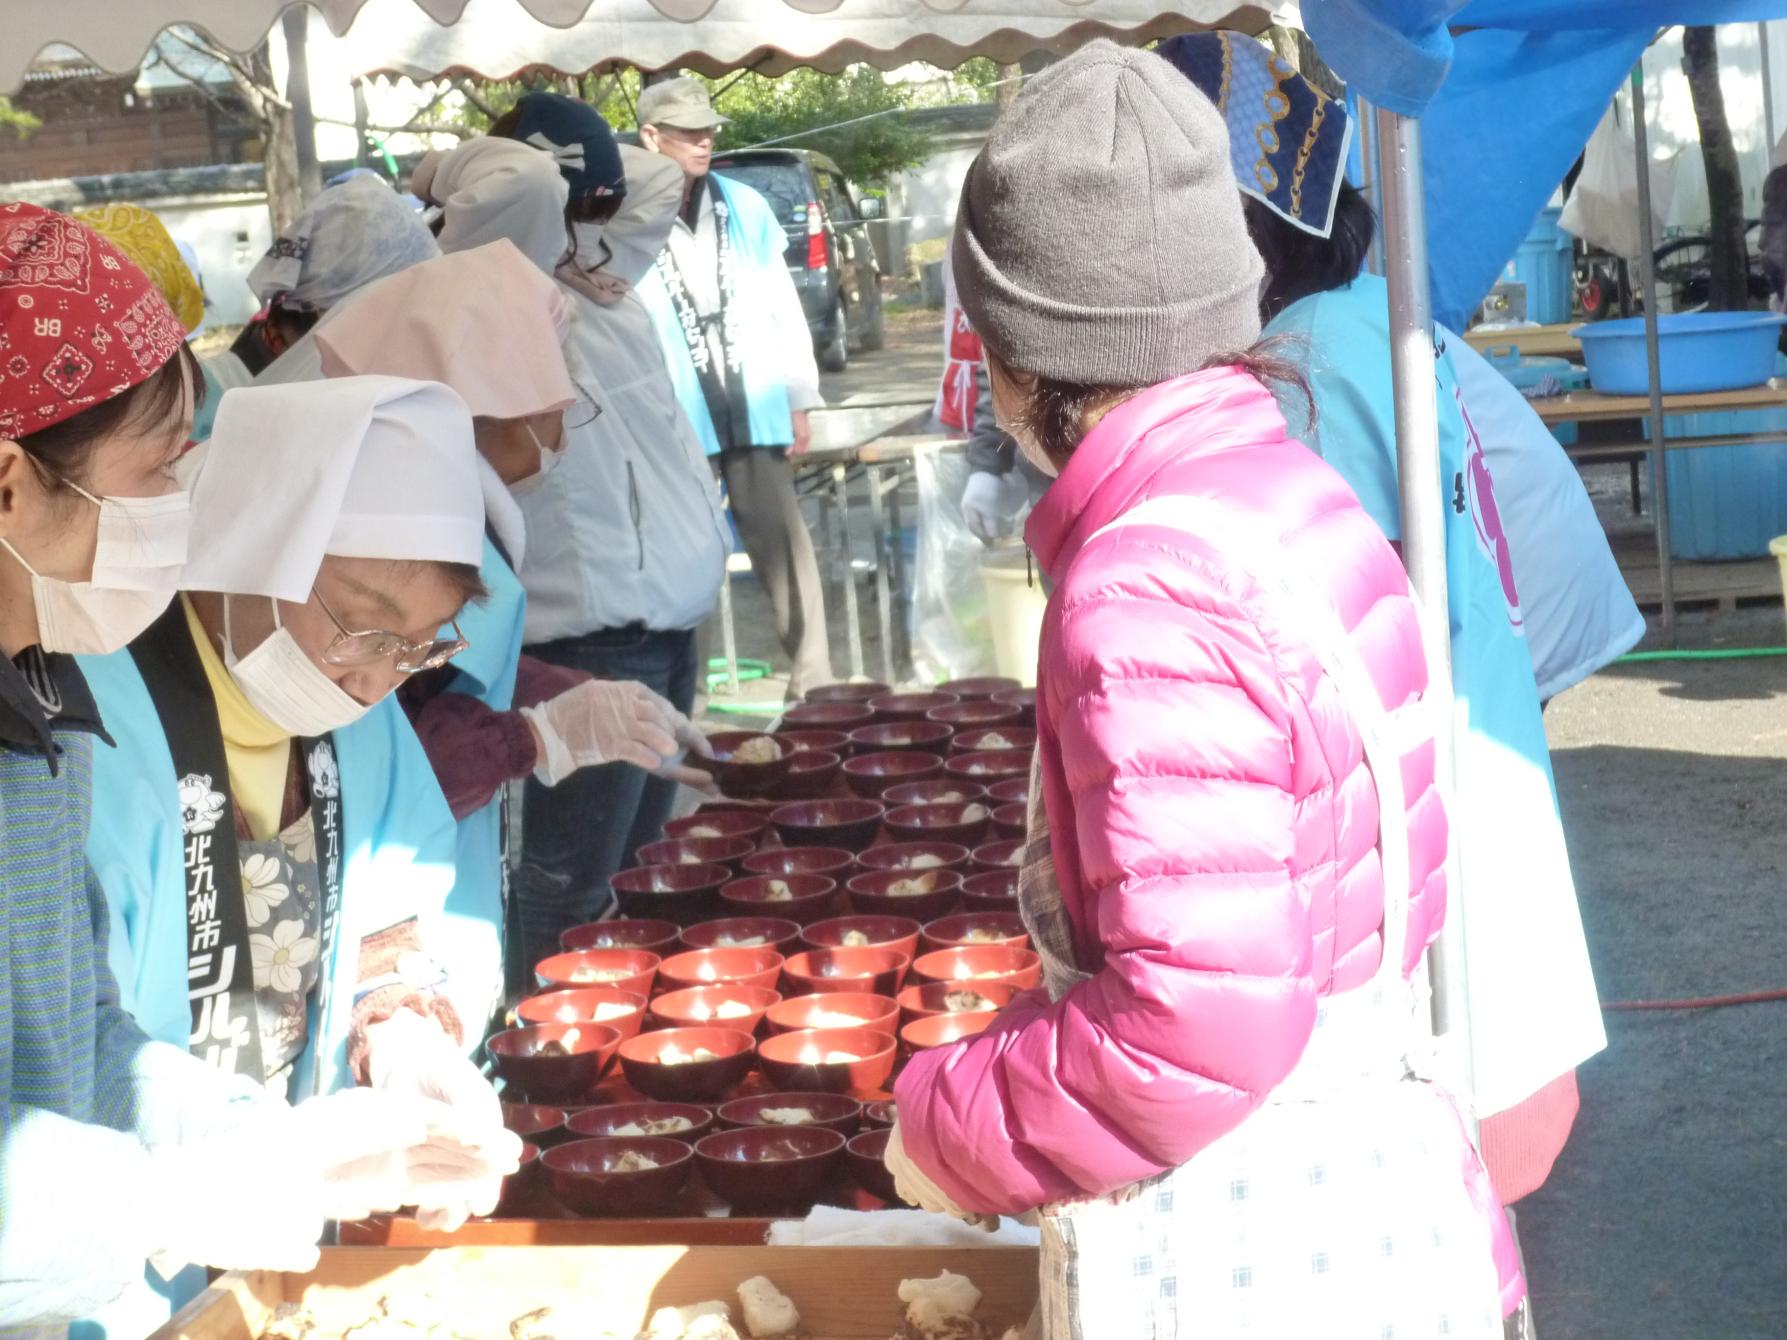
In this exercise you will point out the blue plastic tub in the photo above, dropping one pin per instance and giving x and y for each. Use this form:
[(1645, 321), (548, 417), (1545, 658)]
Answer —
[(1697, 351), (1546, 264)]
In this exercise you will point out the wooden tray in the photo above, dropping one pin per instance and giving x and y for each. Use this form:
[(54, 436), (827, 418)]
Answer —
[(604, 1293)]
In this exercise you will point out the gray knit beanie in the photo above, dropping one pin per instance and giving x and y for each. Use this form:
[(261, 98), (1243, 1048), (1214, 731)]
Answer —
[(1100, 238)]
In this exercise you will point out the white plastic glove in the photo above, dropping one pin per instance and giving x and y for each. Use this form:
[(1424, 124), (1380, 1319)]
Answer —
[(460, 1171), (917, 1189), (991, 504), (693, 740), (254, 1194), (601, 721)]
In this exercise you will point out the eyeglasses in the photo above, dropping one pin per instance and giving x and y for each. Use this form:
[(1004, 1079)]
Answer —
[(365, 648)]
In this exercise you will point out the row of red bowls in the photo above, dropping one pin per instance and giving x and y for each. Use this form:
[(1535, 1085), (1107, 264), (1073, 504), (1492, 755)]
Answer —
[(787, 937), (764, 1010), (706, 1064), (812, 762), (909, 810), (838, 721), (754, 1167), (736, 991), (688, 894)]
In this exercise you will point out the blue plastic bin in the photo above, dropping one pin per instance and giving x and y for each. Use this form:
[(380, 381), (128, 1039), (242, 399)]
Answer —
[(1696, 351), (1727, 502), (1546, 264)]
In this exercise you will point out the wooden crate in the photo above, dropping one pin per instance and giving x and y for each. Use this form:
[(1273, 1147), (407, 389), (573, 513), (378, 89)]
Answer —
[(844, 1293)]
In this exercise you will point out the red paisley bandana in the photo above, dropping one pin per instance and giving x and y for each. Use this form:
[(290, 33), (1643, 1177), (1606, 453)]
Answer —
[(79, 323)]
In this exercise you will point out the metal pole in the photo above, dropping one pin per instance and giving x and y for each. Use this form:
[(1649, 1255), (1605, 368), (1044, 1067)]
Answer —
[(296, 27), (1423, 513), (1371, 185), (1768, 91), (1647, 278)]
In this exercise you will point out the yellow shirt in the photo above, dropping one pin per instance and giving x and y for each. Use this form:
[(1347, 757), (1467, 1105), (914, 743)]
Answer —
[(259, 753)]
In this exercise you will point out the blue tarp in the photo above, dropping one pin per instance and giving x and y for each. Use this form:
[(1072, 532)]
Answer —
[(1505, 109), (1511, 119)]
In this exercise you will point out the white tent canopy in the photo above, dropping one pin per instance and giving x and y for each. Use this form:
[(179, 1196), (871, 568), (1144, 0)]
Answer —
[(496, 38)]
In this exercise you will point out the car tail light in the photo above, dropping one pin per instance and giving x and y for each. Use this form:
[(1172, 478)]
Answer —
[(818, 256)]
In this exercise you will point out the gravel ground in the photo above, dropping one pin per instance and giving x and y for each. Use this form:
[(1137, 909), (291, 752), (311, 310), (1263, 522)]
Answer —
[(1663, 1217)]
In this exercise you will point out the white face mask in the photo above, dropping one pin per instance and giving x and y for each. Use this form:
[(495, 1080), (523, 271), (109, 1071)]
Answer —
[(549, 459), (142, 541), (137, 558), (285, 686), (82, 619)]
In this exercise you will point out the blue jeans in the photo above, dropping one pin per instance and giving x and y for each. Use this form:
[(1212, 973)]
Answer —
[(577, 834)]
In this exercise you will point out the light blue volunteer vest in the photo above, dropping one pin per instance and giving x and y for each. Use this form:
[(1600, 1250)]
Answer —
[(398, 840), (758, 241), (473, 919), (1344, 340), (1505, 822)]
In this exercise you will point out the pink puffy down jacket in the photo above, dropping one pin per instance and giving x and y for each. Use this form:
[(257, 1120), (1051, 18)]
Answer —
[(1214, 824)]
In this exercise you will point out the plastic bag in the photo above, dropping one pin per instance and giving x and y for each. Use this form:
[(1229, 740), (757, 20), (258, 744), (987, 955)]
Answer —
[(1603, 206), (951, 635)]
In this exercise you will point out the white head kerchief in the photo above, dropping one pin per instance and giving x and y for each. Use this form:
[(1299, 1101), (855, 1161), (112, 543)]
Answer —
[(352, 234), (358, 467)]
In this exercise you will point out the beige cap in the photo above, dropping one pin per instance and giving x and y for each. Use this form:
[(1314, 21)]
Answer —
[(682, 102)]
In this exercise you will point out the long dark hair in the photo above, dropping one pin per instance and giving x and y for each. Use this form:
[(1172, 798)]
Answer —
[(1299, 264)]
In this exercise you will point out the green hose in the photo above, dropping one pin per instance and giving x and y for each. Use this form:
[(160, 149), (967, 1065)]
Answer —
[(764, 709), (1736, 654)]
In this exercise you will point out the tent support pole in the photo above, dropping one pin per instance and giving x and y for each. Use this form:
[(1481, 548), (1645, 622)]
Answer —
[(1647, 278), (1371, 186), (1423, 515), (1768, 88)]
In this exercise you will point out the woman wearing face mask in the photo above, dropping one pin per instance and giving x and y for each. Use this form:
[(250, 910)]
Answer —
[(1236, 847), (297, 846), (1533, 1007), (626, 541), (489, 324), (94, 412)]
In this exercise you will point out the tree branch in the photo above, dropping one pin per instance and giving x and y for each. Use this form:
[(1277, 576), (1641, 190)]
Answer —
[(413, 128), (469, 91), (198, 85), (265, 98)]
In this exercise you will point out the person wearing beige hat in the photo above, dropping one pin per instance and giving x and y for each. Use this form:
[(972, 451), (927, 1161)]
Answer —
[(741, 357), (1221, 1100)]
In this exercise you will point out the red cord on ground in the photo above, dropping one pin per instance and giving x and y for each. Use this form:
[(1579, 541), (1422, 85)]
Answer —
[(1702, 1003)]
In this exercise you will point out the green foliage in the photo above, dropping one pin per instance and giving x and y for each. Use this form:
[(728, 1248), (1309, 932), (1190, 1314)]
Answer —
[(15, 119), (853, 118), (975, 78), (614, 96)]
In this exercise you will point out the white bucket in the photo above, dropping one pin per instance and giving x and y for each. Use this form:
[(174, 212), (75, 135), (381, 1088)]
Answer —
[(1015, 605)]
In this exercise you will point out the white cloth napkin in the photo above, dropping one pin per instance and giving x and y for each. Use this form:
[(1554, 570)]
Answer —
[(828, 1226)]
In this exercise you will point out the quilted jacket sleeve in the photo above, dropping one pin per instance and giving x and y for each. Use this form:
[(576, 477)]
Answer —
[(1166, 758)]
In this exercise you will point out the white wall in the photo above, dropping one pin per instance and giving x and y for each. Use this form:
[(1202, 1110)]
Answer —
[(230, 233), (1675, 134), (930, 191)]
